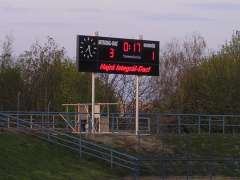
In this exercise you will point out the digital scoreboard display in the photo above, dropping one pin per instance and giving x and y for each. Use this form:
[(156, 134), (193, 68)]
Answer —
[(117, 55)]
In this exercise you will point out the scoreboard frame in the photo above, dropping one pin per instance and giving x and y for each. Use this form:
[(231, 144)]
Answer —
[(117, 55)]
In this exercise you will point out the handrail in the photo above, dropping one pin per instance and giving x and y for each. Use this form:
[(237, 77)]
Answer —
[(67, 122), (140, 113), (74, 143)]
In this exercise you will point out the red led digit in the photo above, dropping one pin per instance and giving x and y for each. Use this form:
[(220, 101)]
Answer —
[(125, 46), (111, 53), (153, 55), (137, 47)]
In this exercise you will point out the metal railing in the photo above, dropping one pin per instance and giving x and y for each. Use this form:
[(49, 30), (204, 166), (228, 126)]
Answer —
[(149, 123), (161, 125), (78, 144), (191, 168)]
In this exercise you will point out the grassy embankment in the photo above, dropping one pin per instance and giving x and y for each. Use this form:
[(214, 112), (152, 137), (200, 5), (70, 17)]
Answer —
[(24, 157), (207, 148)]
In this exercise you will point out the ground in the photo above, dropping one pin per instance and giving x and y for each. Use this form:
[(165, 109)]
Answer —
[(28, 158), (23, 157), (215, 155)]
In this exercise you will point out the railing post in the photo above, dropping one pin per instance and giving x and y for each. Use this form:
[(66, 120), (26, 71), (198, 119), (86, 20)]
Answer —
[(163, 169), (17, 120), (137, 169), (53, 124), (209, 125), (80, 124), (117, 124), (199, 124), (113, 124), (42, 121), (31, 121), (48, 133), (111, 159), (8, 123), (179, 124), (80, 145), (210, 164), (223, 124)]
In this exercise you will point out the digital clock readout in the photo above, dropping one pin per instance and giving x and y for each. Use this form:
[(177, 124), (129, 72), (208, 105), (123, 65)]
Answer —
[(116, 55)]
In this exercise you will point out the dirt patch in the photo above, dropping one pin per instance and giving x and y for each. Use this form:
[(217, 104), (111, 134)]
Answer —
[(131, 143)]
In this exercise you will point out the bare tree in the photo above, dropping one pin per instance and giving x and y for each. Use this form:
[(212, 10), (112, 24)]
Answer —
[(177, 57), (6, 59)]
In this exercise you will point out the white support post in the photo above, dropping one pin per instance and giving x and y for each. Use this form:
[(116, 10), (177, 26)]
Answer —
[(78, 128), (93, 101), (137, 105), (93, 96), (137, 99)]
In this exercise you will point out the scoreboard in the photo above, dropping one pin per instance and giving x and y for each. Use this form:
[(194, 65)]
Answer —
[(117, 55)]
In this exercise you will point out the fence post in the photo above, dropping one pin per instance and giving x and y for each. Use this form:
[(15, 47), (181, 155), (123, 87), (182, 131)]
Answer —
[(31, 121), (113, 124), (80, 145), (137, 169), (199, 124), (209, 125), (53, 123), (8, 124), (111, 158), (179, 124), (163, 169), (210, 169), (42, 121), (17, 120), (223, 124), (48, 133)]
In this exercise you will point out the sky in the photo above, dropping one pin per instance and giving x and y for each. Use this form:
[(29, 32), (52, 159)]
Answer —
[(27, 21)]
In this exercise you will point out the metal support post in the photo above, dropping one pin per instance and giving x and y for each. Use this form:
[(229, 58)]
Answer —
[(53, 123), (42, 121), (137, 170), (8, 124), (113, 121), (179, 124), (48, 133), (93, 96), (31, 122), (111, 159), (137, 105), (223, 125), (18, 107), (209, 125), (199, 124), (80, 144), (48, 119), (137, 99), (93, 101)]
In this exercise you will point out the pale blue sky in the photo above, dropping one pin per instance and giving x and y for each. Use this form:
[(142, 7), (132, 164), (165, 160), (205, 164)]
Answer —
[(162, 20)]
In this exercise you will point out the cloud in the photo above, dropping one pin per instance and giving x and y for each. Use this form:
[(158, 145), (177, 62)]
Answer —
[(178, 17), (83, 10), (10, 9), (223, 6)]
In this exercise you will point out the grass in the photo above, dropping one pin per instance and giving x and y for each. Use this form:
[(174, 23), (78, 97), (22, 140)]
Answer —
[(217, 147), (204, 146), (23, 157)]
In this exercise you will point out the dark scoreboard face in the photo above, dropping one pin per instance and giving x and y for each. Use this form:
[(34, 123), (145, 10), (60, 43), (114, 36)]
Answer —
[(117, 56)]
